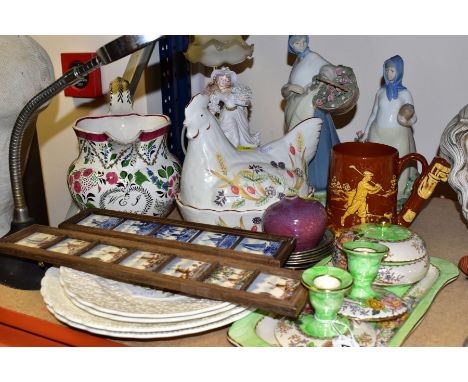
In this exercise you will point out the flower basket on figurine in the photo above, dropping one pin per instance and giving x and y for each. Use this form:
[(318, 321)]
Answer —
[(340, 95)]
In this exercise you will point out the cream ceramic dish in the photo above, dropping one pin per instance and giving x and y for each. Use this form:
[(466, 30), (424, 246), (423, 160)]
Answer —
[(402, 273), (248, 219), (227, 183)]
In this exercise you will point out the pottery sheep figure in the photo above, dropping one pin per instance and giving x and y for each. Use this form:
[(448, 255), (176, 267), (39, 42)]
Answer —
[(219, 177), (454, 148)]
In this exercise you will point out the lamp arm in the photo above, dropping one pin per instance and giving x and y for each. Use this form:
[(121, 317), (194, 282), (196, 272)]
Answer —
[(71, 77), (112, 51)]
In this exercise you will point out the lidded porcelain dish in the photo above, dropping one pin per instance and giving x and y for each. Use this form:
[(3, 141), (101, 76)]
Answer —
[(225, 186), (407, 261)]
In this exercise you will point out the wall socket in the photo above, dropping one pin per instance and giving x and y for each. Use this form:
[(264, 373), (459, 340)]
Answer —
[(91, 86)]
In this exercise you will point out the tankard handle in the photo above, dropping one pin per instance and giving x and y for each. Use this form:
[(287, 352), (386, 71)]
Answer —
[(412, 156), (423, 186)]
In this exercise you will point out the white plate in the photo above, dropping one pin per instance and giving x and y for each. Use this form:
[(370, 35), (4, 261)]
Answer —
[(59, 305), (150, 335), (149, 320), (126, 300)]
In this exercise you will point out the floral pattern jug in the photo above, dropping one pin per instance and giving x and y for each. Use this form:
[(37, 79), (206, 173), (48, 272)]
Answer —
[(124, 163)]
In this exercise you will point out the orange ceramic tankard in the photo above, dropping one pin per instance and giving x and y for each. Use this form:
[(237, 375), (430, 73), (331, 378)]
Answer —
[(363, 184)]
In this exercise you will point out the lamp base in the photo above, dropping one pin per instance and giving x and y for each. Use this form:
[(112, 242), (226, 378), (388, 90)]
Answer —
[(19, 273)]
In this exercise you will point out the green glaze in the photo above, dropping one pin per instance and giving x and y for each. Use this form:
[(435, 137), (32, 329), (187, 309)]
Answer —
[(448, 273), (243, 331), (391, 232), (309, 275), (326, 303), (331, 329), (363, 266)]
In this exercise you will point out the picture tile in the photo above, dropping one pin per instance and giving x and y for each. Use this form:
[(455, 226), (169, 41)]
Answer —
[(216, 239), (228, 277), (184, 268), (144, 260), (36, 240), (258, 246), (106, 253), (175, 233), (136, 227), (276, 286), (69, 246), (100, 221)]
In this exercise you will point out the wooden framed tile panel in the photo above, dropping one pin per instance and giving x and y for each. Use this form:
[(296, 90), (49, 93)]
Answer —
[(180, 270), (242, 243)]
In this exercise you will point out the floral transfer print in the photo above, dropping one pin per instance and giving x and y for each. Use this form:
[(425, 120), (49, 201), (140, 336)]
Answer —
[(108, 154), (387, 306), (339, 259), (258, 185), (166, 180), (255, 224), (379, 333), (140, 177), (418, 244), (289, 334), (387, 329), (386, 275)]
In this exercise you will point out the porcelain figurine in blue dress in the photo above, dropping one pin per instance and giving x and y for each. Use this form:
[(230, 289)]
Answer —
[(300, 93), (392, 118)]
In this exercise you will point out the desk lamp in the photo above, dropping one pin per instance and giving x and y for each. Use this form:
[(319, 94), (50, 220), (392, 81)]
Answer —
[(23, 274)]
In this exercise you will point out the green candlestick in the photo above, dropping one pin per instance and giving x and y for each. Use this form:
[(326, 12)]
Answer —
[(364, 258), (327, 286)]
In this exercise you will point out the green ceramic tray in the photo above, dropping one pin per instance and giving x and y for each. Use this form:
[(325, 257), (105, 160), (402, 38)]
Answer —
[(391, 333)]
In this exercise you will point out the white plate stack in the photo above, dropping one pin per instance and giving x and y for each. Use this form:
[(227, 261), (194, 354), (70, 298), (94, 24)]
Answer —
[(116, 309)]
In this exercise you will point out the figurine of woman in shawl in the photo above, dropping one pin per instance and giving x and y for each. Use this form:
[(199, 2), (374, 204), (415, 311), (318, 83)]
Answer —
[(392, 117), (299, 93)]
